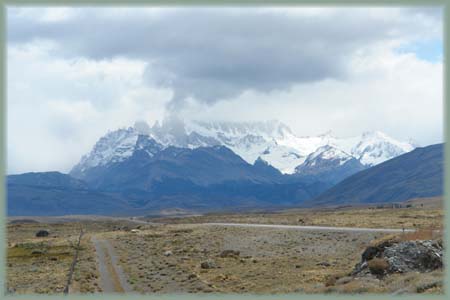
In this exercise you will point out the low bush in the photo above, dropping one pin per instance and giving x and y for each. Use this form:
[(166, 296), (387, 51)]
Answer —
[(378, 266)]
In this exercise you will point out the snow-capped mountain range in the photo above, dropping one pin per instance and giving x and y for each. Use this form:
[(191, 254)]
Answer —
[(271, 141)]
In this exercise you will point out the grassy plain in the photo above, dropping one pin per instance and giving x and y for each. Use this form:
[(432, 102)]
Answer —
[(180, 255)]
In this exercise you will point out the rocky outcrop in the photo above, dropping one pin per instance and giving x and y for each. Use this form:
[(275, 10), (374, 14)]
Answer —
[(422, 256), (400, 257)]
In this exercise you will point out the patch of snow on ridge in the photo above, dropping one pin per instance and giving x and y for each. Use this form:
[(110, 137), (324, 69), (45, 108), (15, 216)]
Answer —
[(329, 153), (376, 147), (115, 146), (272, 141)]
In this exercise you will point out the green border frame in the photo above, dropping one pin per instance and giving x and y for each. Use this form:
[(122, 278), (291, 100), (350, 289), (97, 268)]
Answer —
[(3, 109)]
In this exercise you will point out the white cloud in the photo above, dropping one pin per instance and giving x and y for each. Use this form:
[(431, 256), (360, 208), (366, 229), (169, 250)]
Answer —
[(398, 94), (58, 108), (61, 101)]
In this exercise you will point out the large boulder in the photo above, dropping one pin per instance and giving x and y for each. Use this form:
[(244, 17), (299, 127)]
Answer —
[(400, 257), (42, 233), (422, 256)]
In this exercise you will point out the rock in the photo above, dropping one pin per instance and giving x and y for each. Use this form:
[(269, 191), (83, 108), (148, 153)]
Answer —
[(370, 253), (42, 233), (422, 256), (208, 264), (230, 253), (37, 252), (344, 280), (168, 253), (399, 257), (360, 269)]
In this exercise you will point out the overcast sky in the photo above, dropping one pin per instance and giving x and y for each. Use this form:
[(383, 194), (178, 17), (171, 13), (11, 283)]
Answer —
[(75, 73)]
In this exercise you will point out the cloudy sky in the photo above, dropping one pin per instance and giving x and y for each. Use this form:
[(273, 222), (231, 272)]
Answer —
[(75, 73)]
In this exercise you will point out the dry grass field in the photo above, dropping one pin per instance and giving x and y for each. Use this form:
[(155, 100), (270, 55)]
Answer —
[(416, 218), (41, 264), (182, 256)]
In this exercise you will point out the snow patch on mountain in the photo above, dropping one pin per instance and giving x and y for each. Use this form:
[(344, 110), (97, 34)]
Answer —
[(272, 141), (328, 152), (376, 147), (115, 146)]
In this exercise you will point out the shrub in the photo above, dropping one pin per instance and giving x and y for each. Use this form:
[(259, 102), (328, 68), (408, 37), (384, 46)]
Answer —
[(421, 234), (378, 266), (330, 280)]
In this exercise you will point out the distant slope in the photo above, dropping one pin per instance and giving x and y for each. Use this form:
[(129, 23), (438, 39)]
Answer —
[(50, 201), (47, 179), (416, 174), (201, 179), (329, 164), (54, 193), (202, 166)]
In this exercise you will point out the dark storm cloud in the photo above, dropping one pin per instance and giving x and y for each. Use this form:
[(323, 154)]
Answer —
[(215, 54)]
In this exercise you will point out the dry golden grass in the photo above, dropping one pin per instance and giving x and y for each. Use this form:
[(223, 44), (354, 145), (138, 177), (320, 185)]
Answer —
[(409, 218), (422, 234), (41, 265), (271, 260)]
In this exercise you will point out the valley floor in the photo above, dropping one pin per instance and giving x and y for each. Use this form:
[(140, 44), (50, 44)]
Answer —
[(415, 217), (181, 255)]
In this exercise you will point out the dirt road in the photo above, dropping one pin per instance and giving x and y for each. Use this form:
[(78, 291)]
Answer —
[(113, 280), (326, 228)]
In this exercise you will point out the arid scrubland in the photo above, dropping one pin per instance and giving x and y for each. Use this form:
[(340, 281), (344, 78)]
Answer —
[(172, 257)]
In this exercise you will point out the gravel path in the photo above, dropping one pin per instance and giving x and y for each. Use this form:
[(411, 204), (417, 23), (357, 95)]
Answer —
[(351, 229), (113, 280)]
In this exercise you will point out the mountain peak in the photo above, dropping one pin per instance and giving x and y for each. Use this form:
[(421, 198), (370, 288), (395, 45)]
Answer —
[(328, 152), (376, 147), (271, 141)]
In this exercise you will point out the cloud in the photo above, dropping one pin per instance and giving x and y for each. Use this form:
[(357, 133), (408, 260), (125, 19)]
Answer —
[(58, 108), (76, 73), (398, 94), (217, 54)]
